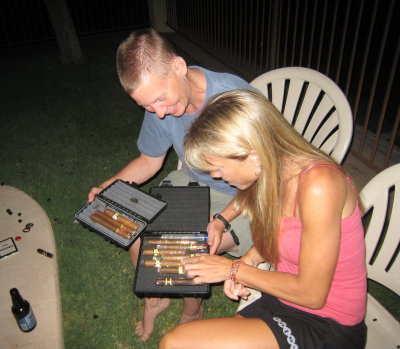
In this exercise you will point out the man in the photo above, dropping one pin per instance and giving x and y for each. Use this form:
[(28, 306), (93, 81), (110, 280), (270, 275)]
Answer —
[(172, 94)]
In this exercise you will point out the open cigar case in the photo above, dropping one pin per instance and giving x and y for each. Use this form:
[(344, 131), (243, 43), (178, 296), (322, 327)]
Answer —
[(181, 227), (120, 213)]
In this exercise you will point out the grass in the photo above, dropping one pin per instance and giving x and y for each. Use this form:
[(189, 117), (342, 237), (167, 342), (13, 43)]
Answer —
[(64, 129)]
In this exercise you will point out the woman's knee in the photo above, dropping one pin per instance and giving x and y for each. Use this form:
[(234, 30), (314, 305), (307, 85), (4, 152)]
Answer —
[(170, 341), (182, 336)]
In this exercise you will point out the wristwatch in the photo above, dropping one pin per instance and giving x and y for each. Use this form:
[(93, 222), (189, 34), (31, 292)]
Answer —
[(223, 220)]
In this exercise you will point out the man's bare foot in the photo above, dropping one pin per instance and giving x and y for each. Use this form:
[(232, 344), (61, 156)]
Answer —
[(152, 307), (187, 317)]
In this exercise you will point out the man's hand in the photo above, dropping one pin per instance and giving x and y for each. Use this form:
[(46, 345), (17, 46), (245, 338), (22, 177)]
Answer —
[(93, 192), (215, 229), (138, 170)]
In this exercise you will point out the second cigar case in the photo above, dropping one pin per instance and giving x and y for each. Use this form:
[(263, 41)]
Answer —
[(120, 212), (180, 230)]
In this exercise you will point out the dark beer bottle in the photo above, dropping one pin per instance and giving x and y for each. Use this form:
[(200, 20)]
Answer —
[(22, 311)]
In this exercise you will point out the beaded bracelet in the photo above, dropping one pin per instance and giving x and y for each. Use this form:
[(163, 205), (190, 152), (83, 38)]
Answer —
[(234, 270)]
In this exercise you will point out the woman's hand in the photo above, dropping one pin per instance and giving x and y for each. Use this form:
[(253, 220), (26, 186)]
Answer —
[(234, 291), (207, 268)]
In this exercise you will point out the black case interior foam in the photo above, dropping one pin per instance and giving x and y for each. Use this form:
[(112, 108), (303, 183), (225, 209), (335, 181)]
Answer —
[(188, 209), (187, 212), (128, 201)]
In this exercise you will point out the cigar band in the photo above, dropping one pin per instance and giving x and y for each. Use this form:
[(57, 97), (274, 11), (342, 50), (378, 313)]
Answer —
[(157, 263), (155, 252), (168, 281), (115, 215), (121, 229), (181, 270)]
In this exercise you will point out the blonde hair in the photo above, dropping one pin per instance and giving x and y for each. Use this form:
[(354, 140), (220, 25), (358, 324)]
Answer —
[(143, 52), (232, 125)]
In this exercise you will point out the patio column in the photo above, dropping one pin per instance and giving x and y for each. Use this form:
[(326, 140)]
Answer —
[(158, 15)]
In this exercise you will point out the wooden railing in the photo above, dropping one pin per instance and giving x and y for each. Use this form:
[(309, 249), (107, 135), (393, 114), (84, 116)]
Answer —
[(27, 21), (355, 42)]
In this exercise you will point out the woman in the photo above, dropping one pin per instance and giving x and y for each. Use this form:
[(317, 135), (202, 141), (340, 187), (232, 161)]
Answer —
[(304, 218)]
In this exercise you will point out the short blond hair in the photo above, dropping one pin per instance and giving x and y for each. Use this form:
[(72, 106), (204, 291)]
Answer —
[(143, 52)]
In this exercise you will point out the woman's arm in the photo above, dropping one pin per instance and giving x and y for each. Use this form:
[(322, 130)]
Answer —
[(252, 257), (234, 291), (322, 196)]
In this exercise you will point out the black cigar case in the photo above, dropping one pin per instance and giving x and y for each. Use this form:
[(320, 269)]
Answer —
[(128, 201), (187, 212)]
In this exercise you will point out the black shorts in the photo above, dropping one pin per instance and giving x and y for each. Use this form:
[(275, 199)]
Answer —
[(296, 329)]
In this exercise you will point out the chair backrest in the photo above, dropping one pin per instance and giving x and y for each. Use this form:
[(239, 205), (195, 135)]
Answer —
[(313, 104), (382, 238)]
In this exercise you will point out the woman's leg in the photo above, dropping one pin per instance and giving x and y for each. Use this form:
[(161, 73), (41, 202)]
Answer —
[(230, 333)]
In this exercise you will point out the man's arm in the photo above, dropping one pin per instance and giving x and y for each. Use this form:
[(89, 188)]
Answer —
[(216, 227), (138, 170)]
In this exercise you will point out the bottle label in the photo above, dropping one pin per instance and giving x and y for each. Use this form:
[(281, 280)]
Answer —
[(28, 322)]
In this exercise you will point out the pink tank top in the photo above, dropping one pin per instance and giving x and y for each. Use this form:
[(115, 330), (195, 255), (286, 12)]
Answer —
[(346, 302)]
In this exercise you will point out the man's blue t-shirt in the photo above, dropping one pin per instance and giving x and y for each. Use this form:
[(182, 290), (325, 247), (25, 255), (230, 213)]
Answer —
[(158, 135)]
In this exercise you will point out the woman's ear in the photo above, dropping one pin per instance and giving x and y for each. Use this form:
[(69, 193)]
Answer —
[(255, 157), (179, 66)]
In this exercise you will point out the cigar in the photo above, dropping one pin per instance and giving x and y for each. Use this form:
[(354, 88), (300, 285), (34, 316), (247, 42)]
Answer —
[(174, 282), (172, 241), (171, 270), (45, 253), (116, 223), (119, 218), (196, 236), (173, 258), (120, 230), (158, 263), (157, 252), (183, 247)]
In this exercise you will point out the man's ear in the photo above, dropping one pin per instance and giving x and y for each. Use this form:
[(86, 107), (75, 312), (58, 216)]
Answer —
[(179, 66)]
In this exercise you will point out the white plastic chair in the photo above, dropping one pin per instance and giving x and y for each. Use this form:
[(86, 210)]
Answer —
[(382, 196), (313, 104)]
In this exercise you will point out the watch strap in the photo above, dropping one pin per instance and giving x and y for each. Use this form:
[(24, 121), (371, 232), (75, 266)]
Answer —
[(223, 220)]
